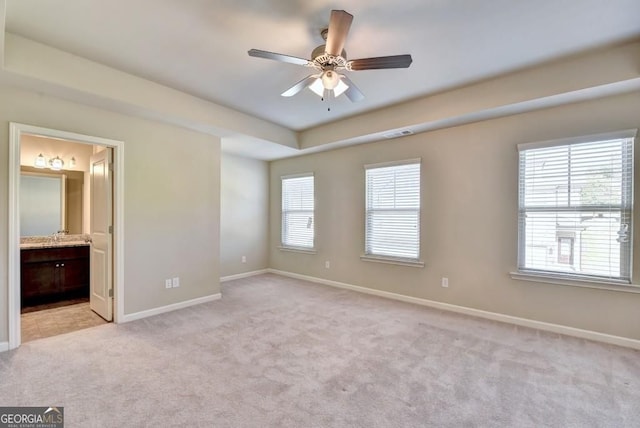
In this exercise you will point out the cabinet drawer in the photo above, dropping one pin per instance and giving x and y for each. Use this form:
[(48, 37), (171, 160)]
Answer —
[(36, 255)]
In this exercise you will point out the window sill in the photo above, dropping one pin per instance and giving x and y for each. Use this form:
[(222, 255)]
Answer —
[(297, 250), (585, 283), (393, 261)]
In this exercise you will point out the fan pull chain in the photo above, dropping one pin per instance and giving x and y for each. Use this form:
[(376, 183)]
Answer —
[(327, 97)]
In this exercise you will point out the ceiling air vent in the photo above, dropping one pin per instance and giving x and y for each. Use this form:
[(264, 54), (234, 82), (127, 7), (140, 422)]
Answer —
[(396, 134)]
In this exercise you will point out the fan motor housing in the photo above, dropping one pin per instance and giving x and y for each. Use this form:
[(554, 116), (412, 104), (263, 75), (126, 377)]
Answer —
[(323, 59)]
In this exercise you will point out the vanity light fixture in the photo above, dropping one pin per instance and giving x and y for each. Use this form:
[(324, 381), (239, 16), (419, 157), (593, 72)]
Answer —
[(72, 162), (56, 163), (40, 161)]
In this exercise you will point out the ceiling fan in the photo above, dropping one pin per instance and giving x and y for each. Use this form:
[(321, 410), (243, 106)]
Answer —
[(330, 59)]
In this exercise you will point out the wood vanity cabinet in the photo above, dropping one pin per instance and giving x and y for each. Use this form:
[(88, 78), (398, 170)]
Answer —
[(53, 274)]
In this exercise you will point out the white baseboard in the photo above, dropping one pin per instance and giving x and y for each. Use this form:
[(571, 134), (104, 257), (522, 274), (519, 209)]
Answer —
[(168, 308), (243, 275), (524, 322), (4, 346)]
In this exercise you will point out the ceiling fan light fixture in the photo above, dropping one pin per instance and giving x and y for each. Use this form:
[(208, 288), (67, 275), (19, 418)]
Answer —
[(331, 58), (340, 88), (317, 87), (330, 79)]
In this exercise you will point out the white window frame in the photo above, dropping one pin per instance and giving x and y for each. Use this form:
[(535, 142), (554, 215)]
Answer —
[(284, 245), (383, 258), (581, 280)]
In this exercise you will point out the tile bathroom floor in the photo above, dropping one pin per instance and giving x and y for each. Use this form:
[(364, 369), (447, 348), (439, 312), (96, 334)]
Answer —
[(57, 320)]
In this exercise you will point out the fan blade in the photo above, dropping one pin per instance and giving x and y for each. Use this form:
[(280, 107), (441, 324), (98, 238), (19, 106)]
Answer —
[(278, 57), (395, 61), (300, 86), (339, 25), (353, 93)]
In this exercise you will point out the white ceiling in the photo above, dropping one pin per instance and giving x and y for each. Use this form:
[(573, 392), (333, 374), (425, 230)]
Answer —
[(200, 46)]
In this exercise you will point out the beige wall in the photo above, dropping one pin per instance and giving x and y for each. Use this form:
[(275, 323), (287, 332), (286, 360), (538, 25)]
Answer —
[(244, 218), (172, 185), (469, 218)]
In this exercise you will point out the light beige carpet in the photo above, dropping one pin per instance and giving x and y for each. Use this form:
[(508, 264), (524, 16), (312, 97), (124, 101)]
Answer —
[(277, 352)]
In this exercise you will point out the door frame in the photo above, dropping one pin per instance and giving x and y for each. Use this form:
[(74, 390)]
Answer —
[(16, 130)]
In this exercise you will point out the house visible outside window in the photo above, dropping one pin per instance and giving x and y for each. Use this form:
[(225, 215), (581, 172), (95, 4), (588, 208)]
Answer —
[(575, 208), (298, 212), (392, 223), (565, 250)]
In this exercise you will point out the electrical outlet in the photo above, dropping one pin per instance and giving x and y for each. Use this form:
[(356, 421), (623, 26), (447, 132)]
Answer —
[(176, 282), (327, 264), (167, 283), (244, 259), (445, 282)]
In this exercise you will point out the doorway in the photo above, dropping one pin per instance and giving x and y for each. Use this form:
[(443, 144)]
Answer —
[(102, 165), (58, 239)]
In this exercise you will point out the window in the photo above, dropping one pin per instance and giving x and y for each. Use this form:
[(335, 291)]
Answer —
[(575, 207), (297, 211), (392, 227)]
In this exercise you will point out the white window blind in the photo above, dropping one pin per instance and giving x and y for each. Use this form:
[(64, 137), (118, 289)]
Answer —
[(575, 207), (298, 211), (393, 210)]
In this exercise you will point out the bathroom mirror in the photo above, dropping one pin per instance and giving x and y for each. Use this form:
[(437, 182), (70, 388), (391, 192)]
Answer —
[(42, 203), (36, 215)]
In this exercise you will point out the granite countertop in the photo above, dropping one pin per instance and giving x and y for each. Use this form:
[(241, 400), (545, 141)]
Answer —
[(32, 245), (32, 242)]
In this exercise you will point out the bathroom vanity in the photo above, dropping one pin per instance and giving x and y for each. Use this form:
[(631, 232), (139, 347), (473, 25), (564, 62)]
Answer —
[(54, 272)]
